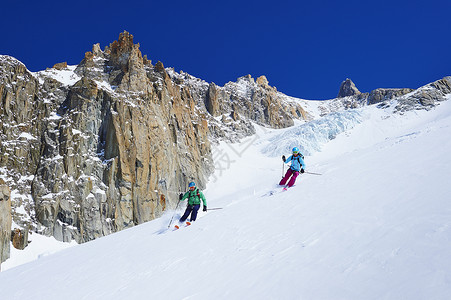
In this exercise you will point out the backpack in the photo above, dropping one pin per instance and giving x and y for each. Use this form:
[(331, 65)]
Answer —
[(197, 194)]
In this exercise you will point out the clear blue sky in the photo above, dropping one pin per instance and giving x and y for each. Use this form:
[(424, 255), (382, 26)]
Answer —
[(305, 48)]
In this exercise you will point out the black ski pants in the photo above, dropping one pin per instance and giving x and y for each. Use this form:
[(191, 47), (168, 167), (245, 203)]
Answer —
[(190, 209)]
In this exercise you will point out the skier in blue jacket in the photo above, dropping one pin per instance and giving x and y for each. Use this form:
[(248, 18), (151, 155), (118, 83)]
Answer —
[(297, 165)]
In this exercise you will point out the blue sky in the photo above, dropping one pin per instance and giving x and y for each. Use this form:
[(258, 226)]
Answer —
[(305, 48)]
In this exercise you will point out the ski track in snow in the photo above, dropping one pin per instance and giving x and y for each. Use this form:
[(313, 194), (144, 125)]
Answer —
[(375, 225)]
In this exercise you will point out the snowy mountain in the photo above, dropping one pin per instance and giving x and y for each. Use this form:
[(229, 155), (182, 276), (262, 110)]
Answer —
[(108, 144), (375, 225)]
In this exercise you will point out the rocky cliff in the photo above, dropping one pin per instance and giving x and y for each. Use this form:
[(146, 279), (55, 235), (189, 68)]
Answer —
[(108, 144)]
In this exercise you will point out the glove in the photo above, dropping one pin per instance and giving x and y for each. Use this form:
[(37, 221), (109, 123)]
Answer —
[(205, 208), (180, 196), (302, 170), (283, 158)]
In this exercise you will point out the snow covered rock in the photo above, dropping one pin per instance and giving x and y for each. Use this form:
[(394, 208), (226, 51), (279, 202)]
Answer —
[(380, 95), (425, 97)]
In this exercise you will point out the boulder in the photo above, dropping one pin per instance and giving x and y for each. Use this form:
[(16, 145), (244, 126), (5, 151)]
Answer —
[(60, 66), (19, 238)]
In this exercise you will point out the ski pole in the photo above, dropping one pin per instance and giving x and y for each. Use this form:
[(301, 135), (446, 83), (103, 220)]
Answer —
[(168, 191), (312, 173), (283, 169), (174, 214)]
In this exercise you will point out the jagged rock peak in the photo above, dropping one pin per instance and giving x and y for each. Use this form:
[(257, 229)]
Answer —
[(96, 50), (124, 49), (159, 67), (262, 80), (246, 78), (348, 88), (123, 44)]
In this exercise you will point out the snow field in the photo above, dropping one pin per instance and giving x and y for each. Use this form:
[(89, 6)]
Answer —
[(375, 225)]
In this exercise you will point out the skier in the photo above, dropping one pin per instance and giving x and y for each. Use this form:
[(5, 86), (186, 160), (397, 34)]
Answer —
[(297, 165), (194, 196)]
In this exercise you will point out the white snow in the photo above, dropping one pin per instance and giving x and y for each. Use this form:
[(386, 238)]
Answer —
[(39, 246), (66, 76), (375, 225), (76, 131), (27, 136), (105, 85), (54, 116)]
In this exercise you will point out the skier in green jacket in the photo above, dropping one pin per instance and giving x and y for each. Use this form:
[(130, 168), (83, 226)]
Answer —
[(194, 196)]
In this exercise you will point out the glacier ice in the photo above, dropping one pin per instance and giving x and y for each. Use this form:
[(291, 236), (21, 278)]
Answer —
[(311, 136)]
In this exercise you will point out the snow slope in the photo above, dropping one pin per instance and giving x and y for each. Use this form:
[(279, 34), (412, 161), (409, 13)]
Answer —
[(375, 225)]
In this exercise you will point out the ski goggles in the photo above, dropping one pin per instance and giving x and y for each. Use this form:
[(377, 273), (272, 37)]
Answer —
[(295, 152)]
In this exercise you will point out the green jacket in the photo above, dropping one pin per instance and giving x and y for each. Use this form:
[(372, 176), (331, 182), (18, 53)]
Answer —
[(194, 197)]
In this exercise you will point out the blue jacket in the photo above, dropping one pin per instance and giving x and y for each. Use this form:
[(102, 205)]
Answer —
[(296, 162)]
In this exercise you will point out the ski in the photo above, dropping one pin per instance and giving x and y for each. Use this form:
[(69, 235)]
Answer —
[(280, 189), (273, 192), (286, 188), (186, 225), (312, 173), (270, 193)]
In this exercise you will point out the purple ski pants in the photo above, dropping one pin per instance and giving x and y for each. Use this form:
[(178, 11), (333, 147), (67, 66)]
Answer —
[(289, 173)]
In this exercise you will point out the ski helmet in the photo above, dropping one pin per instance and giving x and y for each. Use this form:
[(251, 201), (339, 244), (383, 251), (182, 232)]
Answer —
[(191, 184), (295, 150)]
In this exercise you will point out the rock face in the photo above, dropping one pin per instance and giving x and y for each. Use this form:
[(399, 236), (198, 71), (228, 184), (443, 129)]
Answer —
[(240, 102), (5, 221), (112, 146), (425, 97), (109, 155), (380, 95), (347, 88)]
